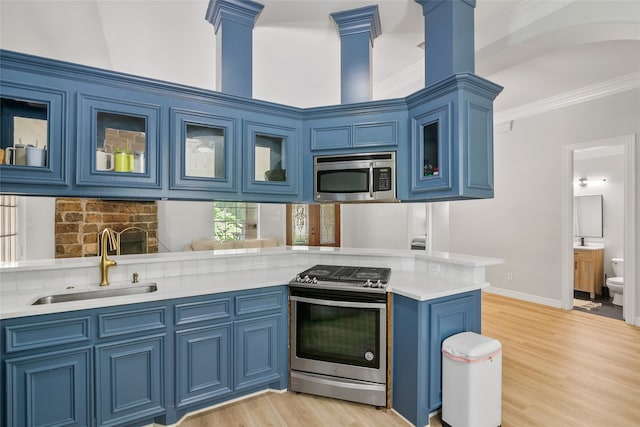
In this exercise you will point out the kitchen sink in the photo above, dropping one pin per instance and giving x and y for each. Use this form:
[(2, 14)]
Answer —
[(101, 293)]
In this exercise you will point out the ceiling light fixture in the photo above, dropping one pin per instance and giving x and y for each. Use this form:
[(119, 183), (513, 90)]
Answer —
[(583, 182)]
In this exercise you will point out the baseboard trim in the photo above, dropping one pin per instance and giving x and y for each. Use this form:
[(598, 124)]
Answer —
[(522, 296)]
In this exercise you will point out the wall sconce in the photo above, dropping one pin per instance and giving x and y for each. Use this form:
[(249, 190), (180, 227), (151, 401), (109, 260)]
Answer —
[(583, 182)]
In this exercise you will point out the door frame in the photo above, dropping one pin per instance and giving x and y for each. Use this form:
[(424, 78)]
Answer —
[(630, 269)]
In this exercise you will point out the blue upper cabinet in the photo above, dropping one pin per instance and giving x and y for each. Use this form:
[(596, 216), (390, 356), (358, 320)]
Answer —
[(117, 144), (33, 136), (112, 135), (355, 126), (203, 151), (271, 160), (451, 150)]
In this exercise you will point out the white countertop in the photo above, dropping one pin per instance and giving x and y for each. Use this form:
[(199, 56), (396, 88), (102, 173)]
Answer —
[(405, 280)]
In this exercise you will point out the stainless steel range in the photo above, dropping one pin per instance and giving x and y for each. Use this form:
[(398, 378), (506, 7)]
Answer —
[(339, 333)]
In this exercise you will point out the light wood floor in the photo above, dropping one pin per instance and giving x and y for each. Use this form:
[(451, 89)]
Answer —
[(560, 369)]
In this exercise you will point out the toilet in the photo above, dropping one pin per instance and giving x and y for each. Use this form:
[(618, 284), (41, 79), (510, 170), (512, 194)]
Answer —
[(616, 284)]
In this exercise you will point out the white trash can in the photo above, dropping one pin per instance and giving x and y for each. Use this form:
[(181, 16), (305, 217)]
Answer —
[(471, 381)]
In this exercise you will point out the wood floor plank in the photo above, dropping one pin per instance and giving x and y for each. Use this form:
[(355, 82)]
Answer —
[(559, 369)]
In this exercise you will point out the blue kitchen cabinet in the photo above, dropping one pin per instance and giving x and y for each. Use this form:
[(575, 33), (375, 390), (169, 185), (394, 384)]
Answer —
[(37, 116), (203, 351), (142, 363), (258, 351), (419, 327), (203, 363), (130, 380), (355, 127), (271, 160), (451, 152), (46, 389), (203, 151), (118, 144), (261, 339)]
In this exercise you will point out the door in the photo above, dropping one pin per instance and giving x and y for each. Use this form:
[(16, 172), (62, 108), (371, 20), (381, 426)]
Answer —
[(313, 225)]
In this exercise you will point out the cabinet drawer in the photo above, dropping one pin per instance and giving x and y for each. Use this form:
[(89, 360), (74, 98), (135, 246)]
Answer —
[(127, 322), (582, 255), (45, 334), (258, 303), (214, 309)]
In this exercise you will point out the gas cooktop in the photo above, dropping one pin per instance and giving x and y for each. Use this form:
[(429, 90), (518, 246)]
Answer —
[(343, 277)]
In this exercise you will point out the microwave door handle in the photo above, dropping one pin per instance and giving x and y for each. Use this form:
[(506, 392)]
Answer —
[(371, 180)]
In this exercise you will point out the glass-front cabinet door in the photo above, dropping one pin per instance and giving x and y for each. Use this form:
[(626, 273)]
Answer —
[(117, 143), (431, 148), (32, 129), (271, 162), (202, 151)]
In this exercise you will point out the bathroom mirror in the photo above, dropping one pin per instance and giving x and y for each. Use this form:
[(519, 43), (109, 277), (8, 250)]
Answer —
[(587, 216)]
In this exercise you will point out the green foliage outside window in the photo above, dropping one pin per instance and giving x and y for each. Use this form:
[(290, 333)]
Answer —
[(234, 220)]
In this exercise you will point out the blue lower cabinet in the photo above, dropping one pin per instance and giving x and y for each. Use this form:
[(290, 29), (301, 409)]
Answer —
[(203, 363), (419, 327), (130, 380), (257, 352), (49, 389)]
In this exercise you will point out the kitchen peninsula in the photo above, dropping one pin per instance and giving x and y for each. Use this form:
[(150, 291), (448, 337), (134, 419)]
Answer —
[(231, 305)]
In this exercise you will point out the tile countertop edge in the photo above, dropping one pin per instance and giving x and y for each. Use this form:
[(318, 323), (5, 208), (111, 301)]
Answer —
[(68, 263)]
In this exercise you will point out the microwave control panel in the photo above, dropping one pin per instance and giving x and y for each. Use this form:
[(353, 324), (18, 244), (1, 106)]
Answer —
[(382, 179)]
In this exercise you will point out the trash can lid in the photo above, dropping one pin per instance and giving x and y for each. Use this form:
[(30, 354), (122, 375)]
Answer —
[(470, 345)]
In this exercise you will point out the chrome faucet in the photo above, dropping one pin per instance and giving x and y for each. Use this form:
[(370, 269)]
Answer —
[(110, 235)]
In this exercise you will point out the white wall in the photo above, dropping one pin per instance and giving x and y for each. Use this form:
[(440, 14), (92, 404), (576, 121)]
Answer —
[(375, 225), (180, 222), (610, 167), (522, 224), (38, 218), (272, 220)]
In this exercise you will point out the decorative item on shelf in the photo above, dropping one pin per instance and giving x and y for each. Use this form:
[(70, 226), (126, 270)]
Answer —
[(276, 175), (104, 160), (138, 161), (123, 160), (428, 168), (17, 155), (36, 156)]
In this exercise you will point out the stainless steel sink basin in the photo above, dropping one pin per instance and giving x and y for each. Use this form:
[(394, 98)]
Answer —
[(101, 293)]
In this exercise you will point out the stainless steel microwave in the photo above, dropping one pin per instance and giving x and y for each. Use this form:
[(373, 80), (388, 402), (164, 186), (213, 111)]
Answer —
[(361, 177)]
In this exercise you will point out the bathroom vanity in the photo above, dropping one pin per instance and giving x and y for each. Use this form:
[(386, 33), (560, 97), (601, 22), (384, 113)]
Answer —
[(588, 270)]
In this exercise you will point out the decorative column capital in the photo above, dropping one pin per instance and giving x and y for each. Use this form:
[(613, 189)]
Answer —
[(244, 12), (429, 5), (356, 21)]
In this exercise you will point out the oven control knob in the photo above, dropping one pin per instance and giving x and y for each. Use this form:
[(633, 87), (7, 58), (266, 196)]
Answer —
[(368, 284), (379, 284), (298, 278), (369, 356), (307, 279), (314, 281)]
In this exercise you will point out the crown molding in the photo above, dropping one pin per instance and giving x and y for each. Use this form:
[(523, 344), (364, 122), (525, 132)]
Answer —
[(362, 20), (567, 99)]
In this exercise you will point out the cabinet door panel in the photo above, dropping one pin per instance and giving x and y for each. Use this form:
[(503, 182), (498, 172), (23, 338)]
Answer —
[(448, 317), (17, 102), (203, 363), (272, 159), (130, 380), (203, 151), (111, 135), (50, 389), (256, 351), (431, 148)]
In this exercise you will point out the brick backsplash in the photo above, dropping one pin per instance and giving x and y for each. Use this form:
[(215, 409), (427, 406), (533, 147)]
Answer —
[(78, 222)]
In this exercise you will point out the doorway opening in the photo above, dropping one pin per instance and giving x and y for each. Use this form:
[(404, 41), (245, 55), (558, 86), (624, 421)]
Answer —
[(576, 249)]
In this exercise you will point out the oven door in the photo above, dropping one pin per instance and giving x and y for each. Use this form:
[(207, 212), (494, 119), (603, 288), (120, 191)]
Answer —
[(339, 333)]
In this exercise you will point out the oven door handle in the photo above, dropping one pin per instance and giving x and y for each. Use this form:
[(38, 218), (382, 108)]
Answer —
[(333, 303)]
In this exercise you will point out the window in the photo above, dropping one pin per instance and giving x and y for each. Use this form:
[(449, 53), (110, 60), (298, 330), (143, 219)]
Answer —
[(313, 225), (235, 221), (8, 228)]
